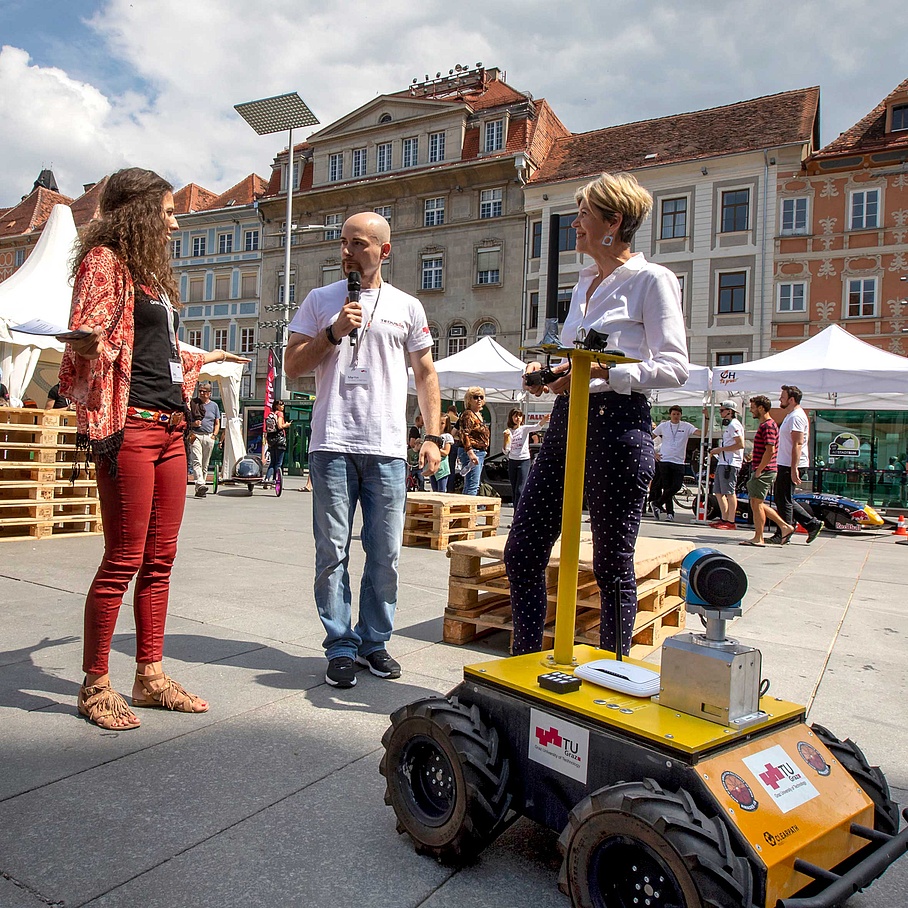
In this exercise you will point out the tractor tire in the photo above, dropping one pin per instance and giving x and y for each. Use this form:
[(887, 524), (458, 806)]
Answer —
[(447, 779), (870, 778), (636, 844)]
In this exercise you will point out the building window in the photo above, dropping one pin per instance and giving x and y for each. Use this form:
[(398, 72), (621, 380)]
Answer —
[(334, 222), (681, 285), (282, 236), (865, 209), (384, 211), (432, 272), (794, 216), (411, 152), (434, 212), (900, 117), (247, 340), (536, 240), (490, 203), (732, 292), (251, 240), (280, 293), (194, 337), (862, 298), (488, 265), (386, 270), (249, 286), (674, 219), (735, 210), (436, 147), (220, 338), (436, 347), (335, 167), (729, 359), (330, 274), (225, 243), (198, 245), (534, 309), (222, 286), (196, 289), (486, 329), (297, 166), (494, 136), (793, 297), (563, 303), (567, 236), (20, 257), (383, 157), (359, 162), (457, 339), (176, 249)]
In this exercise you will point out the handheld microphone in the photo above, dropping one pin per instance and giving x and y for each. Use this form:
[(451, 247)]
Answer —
[(354, 285)]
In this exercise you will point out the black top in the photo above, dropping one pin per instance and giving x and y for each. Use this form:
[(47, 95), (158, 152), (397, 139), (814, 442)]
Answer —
[(60, 402), (151, 386)]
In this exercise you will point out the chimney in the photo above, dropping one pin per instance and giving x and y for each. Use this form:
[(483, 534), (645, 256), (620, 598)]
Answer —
[(87, 186)]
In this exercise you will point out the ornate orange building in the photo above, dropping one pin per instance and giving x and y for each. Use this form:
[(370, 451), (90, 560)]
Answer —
[(842, 227)]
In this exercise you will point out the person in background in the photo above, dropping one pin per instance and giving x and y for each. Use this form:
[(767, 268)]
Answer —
[(731, 457), (474, 440), (131, 384), (4, 395), (638, 305), (454, 430), (206, 424), (440, 479), (276, 436), (672, 461), (55, 400), (516, 445)]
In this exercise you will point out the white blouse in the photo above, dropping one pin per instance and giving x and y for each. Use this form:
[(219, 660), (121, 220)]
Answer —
[(639, 307)]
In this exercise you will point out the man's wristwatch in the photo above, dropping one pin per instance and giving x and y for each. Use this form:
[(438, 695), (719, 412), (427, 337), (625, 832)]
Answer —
[(437, 440), (331, 338)]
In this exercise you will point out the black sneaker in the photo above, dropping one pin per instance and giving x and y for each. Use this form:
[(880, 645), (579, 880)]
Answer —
[(812, 534), (380, 664), (341, 672), (201, 491)]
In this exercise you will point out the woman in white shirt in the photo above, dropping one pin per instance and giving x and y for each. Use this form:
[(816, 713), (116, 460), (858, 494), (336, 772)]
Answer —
[(638, 305), (517, 446)]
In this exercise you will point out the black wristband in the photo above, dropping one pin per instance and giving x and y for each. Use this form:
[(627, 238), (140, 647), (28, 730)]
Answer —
[(331, 338), (436, 440)]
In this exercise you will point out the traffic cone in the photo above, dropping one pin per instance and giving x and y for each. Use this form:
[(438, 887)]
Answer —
[(901, 529)]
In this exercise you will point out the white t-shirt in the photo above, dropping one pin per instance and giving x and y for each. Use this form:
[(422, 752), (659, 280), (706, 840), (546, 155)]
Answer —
[(674, 440), (732, 431), (365, 418), (639, 307), (520, 443), (796, 421)]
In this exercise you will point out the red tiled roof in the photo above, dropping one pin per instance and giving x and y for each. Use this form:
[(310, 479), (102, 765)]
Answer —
[(244, 193), (32, 212), (545, 130), (782, 119), (88, 206), (192, 197), (869, 134)]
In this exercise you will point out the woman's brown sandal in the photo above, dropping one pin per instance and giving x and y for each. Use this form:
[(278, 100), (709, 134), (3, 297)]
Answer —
[(171, 696), (102, 705)]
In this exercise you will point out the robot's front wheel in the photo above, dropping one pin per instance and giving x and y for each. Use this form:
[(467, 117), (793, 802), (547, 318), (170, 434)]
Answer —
[(446, 778), (636, 844)]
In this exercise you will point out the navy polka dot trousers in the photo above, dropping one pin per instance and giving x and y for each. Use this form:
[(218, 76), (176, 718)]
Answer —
[(619, 467)]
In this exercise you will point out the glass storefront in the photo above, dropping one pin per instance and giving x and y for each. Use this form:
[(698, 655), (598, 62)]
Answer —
[(861, 454)]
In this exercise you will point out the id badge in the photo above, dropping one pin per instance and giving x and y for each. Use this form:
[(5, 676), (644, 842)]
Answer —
[(356, 375), (176, 373)]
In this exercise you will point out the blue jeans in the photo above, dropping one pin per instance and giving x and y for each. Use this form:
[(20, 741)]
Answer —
[(378, 484), (471, 480), (276, 461)]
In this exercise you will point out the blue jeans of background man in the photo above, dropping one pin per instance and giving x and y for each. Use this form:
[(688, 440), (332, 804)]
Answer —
[(471, 480), (378, 485), (275, 461)]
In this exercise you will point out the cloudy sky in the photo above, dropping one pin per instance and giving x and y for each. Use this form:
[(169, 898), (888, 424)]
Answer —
[(90, 85)]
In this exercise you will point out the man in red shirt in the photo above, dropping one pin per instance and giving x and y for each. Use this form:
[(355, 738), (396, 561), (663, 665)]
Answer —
[(766, 444)]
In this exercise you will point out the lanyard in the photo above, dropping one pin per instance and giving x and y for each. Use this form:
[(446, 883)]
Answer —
[(165, 299), (367, 326)]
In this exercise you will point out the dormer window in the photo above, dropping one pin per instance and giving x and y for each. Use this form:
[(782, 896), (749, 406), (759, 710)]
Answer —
[(899, 117), (385, 118), (494, 136)]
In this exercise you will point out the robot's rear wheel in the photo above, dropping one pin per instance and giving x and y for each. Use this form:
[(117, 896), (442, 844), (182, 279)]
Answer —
[(870, 778), (446, 778), (636, 844)]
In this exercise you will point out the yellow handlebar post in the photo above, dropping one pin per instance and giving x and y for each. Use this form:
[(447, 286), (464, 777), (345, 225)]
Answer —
[(571, 515)]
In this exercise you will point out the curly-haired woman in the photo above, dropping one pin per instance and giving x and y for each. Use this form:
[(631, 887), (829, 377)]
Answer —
[(131, 384)]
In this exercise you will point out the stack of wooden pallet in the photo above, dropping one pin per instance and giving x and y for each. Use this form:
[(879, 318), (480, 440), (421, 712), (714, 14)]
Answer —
[(436, 520), (37, 499), (479, 595)]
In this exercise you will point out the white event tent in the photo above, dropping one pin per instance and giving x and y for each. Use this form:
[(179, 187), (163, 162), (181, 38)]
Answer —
[(42, 288)]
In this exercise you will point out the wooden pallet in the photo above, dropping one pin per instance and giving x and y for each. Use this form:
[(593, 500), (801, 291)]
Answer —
[(479, 595), (437, 520)]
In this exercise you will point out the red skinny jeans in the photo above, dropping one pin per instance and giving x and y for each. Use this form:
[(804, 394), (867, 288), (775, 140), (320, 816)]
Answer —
[(141, 509)]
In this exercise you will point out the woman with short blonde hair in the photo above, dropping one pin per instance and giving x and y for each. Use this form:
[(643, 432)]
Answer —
[(474, 437)]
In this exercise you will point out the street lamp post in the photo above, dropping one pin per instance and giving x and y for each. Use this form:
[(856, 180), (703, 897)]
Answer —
[(267, 116)]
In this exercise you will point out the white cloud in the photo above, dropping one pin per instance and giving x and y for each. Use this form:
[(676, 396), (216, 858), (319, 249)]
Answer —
[(597, 65)]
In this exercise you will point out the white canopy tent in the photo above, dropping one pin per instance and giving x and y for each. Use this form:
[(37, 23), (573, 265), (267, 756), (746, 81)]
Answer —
[(42, 288), (485, 364)]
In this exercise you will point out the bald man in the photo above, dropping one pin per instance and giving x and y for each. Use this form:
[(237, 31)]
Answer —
[(358, 451)]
